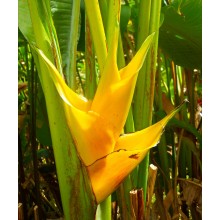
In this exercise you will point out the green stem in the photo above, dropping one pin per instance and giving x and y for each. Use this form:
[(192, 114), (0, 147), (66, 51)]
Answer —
[(114, 8), (123, 197), (90, 84), (162, 146), (104, 12), (104, 210), (151, 62), (97, 29), (70, 70), (150, 71), (144, 20), (168, 78)]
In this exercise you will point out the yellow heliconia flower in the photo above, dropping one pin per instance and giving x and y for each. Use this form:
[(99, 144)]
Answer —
[(96, 125)]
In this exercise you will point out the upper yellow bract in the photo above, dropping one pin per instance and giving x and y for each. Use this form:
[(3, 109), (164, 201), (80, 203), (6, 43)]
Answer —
[(96, 125)]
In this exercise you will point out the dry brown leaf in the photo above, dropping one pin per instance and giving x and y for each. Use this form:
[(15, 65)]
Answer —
[(21, 118), (22, 86), (192, 190), (168, 200), (167, 105)]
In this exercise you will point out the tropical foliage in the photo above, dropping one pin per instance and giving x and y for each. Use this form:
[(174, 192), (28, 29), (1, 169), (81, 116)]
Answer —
[(98, 82)]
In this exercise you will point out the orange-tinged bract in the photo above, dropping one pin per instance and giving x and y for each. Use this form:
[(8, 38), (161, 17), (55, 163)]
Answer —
[(96, 125)]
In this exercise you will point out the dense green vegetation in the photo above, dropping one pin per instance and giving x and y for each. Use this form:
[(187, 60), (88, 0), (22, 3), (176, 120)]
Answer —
[(52, 176)]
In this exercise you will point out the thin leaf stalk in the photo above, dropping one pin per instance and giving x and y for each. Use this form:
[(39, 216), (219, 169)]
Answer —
[(167, 79), (151, 60), (90, 83), (143, 27), (180, 80), (114, 9), (104, 12), (104, 210), (167, 76), (143, 23), (70, 70), (175, 83), (158, 82), (97, 29), (120, 56), (124, 199), (162, 146)]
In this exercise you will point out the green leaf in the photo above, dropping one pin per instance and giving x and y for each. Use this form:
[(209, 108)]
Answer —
[(192, 147), (24, 21), (42, 126), (180, 124), (188, 127), (181, 33), (66, 18), (124, 18)]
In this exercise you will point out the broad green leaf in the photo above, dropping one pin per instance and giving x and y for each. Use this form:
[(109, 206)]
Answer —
[(181, 33), (188, 127), (24, 21), (66, 20)]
